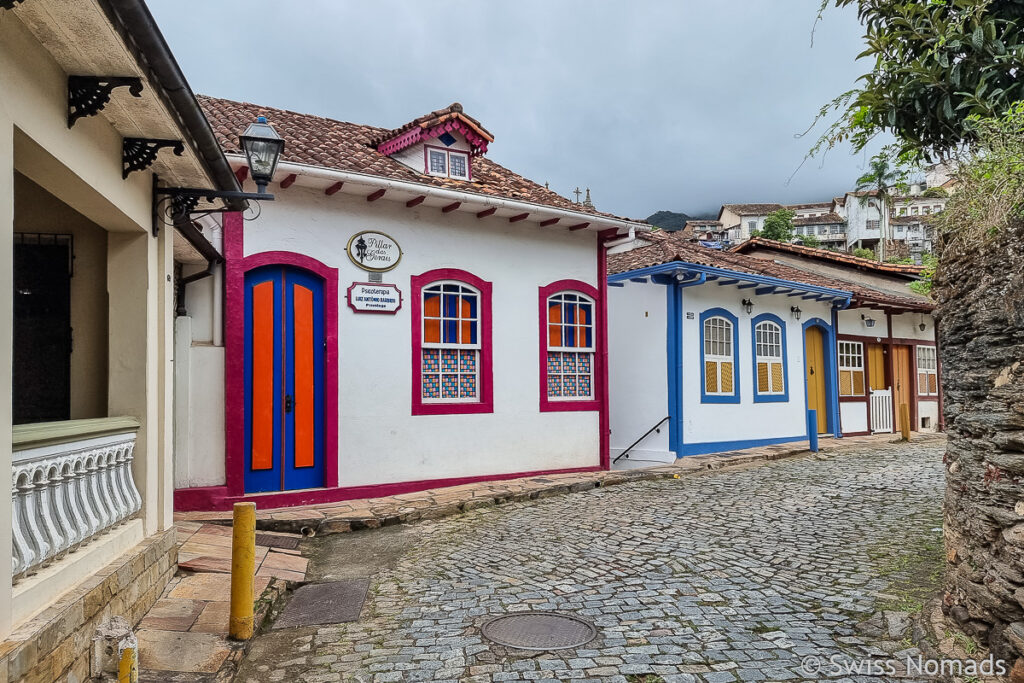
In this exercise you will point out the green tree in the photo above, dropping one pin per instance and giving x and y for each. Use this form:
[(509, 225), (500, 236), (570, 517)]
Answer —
[(810, 241), (778, 226), (864, 253), (879, 183), (935, 65)]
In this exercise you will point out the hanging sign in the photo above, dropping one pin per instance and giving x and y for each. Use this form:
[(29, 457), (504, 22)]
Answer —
[(374, 251), (367, 297)]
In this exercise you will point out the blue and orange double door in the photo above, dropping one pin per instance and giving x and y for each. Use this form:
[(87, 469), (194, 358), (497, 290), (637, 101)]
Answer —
[(284, 379)]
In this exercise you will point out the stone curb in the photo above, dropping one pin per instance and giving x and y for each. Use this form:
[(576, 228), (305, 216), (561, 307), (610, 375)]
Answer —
[(268, 604), (689, 466)]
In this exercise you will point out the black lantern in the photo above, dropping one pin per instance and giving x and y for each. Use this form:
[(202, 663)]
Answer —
[(262, 146), (795, 310), (748, 305), (868, 322)]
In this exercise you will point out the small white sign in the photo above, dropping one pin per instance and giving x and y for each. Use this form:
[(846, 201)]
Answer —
[(367, 297), (374, 251)]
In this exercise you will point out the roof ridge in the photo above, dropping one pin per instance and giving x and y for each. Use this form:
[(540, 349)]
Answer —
[(289, 111)]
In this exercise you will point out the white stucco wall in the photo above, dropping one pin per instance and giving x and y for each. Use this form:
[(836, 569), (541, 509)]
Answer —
[(728, 422), (379, 440), (853, 417), (638, 370)]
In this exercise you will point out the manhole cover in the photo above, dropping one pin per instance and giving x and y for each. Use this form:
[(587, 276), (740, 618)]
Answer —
[(539, 631), (316, 604)]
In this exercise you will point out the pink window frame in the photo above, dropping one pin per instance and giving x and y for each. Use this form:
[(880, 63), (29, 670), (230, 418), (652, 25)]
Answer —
[(486, 386), (548, 405), (448, 162)]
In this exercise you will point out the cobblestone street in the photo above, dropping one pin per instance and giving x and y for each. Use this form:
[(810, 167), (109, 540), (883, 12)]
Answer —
[(732, 575)]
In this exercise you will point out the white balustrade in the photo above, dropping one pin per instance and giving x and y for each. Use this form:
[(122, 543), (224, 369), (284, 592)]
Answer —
[(64, 494), (881, 411)]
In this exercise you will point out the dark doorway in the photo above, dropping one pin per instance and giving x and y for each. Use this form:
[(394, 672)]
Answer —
[(42, 328)]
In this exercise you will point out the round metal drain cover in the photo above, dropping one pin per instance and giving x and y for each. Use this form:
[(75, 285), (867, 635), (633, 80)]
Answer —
[(539, 631)]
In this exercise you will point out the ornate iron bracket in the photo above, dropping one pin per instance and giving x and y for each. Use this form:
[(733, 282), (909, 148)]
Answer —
[(174, 204), (138, 154), (8, 4), (87, 95)]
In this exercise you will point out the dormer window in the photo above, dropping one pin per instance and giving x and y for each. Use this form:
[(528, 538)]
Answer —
[(447, 163)]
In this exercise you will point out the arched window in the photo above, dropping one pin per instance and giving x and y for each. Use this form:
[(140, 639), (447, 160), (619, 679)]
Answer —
[(451, 335), (720, 382), (451, 343), (770, 366), (569, 346)]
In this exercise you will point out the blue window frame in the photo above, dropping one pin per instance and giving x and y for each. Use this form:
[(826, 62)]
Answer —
[(771, 359), (719, 344)]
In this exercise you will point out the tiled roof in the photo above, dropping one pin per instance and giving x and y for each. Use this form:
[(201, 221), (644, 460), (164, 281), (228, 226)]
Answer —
[(826, 219), (674, 249), (436, 118), (704, 223), (827, 255), (343, 146), (813, 205), (752, 209)]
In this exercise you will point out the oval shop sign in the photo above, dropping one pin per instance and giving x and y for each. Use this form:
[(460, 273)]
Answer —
[(374, 251)]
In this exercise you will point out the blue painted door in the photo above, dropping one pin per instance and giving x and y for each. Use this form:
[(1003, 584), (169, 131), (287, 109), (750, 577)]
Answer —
[(284, 380)]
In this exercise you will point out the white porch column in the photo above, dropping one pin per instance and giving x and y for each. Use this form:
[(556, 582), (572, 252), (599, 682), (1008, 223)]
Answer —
[(6, 355), (165, 363), (133, 347)]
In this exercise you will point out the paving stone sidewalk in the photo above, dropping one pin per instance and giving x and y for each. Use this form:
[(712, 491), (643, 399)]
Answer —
[(368, 513), (736, 575)]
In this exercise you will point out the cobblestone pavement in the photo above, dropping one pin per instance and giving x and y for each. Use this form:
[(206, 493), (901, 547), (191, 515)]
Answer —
[(727, 576)]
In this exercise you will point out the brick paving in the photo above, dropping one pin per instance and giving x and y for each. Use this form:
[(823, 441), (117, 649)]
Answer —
[(732, 575)]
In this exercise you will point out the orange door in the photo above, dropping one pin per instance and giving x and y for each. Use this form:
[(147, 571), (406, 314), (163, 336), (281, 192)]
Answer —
[(876, 367), (814, 352), (901, 376)]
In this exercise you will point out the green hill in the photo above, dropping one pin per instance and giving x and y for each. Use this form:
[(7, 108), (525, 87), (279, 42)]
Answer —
[(668, 220)]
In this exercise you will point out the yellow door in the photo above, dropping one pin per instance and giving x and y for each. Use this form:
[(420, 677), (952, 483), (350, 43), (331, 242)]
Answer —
[(901, 375), (814, 349), (876, 367)]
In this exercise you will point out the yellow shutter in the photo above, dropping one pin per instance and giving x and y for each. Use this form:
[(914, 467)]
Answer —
[(762, 378), (858, 383), (845, 382), (711, 377), (778, 382), (933, 384), (726, 378)]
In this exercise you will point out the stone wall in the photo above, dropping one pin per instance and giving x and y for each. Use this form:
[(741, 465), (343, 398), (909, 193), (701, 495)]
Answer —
[(981, 306), (56, 644)]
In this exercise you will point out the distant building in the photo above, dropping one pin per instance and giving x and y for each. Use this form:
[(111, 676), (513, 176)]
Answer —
[(740, 220), (828, 228)]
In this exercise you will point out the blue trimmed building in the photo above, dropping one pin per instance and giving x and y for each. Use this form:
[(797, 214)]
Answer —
[(714, 351)]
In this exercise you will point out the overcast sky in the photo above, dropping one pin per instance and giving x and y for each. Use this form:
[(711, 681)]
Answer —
[(671, 104)]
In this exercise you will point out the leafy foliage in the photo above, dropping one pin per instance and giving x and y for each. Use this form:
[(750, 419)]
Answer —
[(778, 226), (810, 241), (864, 253), (938, 65), (990, 183), (924, 285), (935, 192)]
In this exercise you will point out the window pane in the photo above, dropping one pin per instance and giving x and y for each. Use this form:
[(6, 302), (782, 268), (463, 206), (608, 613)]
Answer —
[(458, 165), (437, 161), (432, 331)]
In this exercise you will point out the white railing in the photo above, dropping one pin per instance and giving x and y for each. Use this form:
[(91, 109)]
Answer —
[(68, 486), (881, 411)]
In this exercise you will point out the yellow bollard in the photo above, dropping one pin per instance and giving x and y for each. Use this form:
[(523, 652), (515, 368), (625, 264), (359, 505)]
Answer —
[(128, 667), (905, 421), (243, 567)]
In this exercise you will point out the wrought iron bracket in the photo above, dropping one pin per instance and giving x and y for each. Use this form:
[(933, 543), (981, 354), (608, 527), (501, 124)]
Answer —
[(183, 201), (138, 154), (88, 95), (8, 4)]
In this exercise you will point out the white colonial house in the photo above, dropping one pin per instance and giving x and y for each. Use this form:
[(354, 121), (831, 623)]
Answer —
[(406, 314), (713, 351), (96, 121), (739, 221)]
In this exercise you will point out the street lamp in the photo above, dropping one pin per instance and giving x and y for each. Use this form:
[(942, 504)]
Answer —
[(868, 322), (262, 146), (795, 310), (748, 305)]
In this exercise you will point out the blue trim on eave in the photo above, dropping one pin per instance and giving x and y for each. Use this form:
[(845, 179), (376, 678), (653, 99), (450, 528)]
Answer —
[(722, 446), (770, 398), (721, 398), (839, 295)]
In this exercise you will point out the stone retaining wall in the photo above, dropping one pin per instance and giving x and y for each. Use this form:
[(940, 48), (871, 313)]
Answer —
[(981, 295), (56, 644)]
